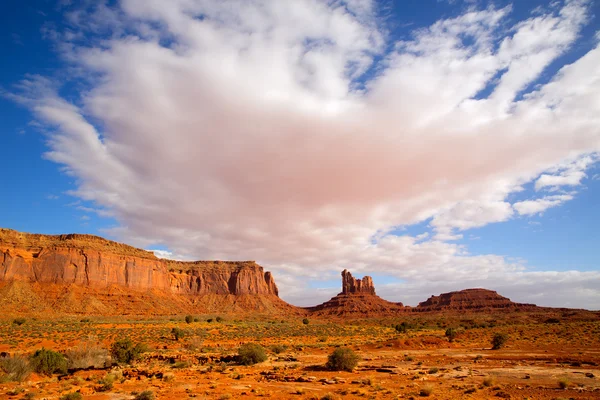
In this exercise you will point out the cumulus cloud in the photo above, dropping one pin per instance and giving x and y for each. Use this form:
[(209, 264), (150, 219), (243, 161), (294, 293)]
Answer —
[(290, 133)]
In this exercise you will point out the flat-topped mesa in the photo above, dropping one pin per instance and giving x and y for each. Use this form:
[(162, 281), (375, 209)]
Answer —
[(96, 262), (353, 285), (470, 299)]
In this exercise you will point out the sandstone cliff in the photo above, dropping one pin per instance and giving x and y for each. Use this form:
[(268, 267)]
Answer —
[(352, 285), (470, 300), (102, 267), (357, 299)]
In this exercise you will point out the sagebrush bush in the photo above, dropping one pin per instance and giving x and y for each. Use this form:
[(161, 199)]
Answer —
[(72, 396), (145, 395), (124, 351), (426, 390), (305, 321), (342, 359), (19, 321), (15, 368), (278, 348), (48, 362), (86, 355), (251, 353), (499, 340), (178, 333), (451, 334), (189, 319)]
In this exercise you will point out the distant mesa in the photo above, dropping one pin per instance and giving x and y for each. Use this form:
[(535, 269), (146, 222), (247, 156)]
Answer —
[(471, 300), (86, 274)]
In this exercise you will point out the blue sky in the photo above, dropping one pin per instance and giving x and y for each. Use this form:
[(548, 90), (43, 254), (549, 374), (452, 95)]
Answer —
[(434, 145)]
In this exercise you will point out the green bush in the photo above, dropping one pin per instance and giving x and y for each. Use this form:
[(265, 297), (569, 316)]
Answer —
[(15, 368), (189, 319), (278, 348), (145, 395), (342, 359), (251, 353), (403, 327), (451, 334), (19, 321), (48, 362), (498, 340), (72, 396), (219, 319), (124, 351), (178, 333), (305, 321)]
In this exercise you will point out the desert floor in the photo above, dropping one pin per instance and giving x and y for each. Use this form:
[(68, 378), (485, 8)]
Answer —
[(544, 358)]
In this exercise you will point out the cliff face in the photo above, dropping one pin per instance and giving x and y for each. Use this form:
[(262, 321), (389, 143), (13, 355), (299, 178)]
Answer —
[(102, 266), (469, 299), (95, 262)]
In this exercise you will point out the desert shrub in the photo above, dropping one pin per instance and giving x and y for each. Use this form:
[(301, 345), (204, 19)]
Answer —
[(145, 395), (488, 381), (329, 396), (251, 353), (433, 370), (86, 355), (189, 319), (564, 383), (403, 327), (552, 321), (194, 343), (426, 390), (72, 396), (305, 321), (451, 334), (219, 319), (15, 368), (342, 359), (278, 348), (209, 320), (48, 362), (124, 351), (499, 340), (106, 383), (19, 321), (178, 333)]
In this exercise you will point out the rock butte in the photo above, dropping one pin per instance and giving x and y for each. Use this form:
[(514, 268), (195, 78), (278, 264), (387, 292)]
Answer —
[(86, 274)]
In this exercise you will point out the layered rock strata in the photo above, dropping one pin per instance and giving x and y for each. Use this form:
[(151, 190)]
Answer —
[(357, 299), (470, 300), (100, 265)]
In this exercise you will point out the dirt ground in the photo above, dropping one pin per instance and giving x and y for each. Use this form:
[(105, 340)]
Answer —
[(556, 358)]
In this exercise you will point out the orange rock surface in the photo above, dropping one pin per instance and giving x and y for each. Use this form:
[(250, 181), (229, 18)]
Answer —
[(76, 269)]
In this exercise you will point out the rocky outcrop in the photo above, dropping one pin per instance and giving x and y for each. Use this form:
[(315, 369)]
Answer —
[(470, 300), (357, 299), (352, 285), (100, 265)]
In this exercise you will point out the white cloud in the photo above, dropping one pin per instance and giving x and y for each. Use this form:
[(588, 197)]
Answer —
[(537, 206), (569, 174), (245, 130)]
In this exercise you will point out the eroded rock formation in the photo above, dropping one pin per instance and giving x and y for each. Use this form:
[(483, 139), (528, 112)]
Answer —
[(353, 285), (101, 266), (357, 299)]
